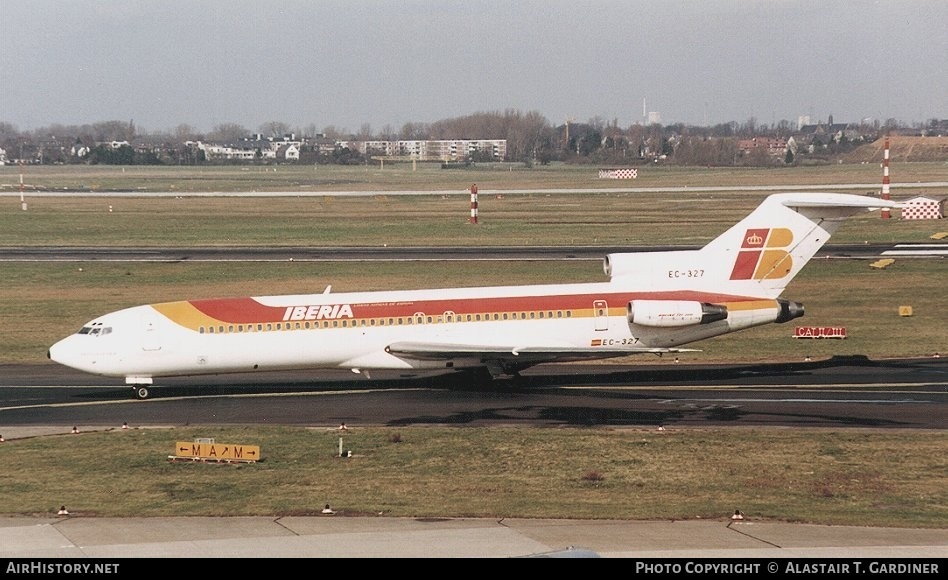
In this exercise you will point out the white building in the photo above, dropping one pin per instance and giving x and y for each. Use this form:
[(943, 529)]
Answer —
[(434, 150)]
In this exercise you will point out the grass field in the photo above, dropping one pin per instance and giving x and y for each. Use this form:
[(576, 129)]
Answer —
[(849, 477), (854, 477), (429, 177)]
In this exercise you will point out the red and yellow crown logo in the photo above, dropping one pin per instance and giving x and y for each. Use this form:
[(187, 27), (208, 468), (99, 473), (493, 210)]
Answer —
[(763, 255)]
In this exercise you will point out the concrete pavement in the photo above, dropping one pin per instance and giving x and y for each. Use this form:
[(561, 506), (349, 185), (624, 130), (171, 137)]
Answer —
[(335, 536)]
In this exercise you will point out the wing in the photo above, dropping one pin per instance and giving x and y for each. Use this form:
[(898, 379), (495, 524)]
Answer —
[(507, 359)]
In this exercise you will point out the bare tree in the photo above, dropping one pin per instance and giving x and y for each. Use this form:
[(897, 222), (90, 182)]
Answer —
[(365, 132), (274, 129), (227, 133)]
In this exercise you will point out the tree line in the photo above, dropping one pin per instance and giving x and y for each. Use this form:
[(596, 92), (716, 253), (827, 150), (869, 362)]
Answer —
[(531, 138)]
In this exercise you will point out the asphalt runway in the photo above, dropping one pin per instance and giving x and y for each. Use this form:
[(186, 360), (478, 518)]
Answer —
[(839, 392)]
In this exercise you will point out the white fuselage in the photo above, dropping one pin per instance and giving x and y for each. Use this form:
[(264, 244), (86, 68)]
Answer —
[(354, 330)]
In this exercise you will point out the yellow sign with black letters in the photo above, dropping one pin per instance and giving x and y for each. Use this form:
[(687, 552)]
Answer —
[(216, 451)]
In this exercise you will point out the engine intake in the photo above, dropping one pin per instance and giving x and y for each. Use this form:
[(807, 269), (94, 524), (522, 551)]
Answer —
[(672, 313)]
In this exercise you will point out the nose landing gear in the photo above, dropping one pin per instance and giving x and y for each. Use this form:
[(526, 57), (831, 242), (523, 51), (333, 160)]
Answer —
[(141, 385)]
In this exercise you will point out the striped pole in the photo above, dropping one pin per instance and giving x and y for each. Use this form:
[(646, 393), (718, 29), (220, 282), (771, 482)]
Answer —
[(22, 199), (474, 203), (885, 178)]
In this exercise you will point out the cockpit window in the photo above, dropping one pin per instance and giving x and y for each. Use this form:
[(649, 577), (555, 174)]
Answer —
[(96, 329)]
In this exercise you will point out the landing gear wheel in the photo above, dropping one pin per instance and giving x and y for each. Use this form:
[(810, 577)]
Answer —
[(141, 392)]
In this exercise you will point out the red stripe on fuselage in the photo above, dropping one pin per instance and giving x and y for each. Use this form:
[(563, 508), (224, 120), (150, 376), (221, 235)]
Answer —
[(248, 310)]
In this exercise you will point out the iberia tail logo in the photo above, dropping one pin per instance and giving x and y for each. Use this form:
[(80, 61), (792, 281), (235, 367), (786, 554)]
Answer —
[(763, 255)]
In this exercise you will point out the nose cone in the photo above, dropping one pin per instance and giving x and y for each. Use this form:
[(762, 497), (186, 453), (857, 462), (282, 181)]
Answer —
[(65, 353)]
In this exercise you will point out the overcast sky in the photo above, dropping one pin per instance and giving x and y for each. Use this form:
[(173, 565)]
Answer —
[(384, 63)]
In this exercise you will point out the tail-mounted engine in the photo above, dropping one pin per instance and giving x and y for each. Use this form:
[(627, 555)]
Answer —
[(674, 313), (788, 310)]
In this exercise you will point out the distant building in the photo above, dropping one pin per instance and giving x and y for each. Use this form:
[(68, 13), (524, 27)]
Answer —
[(774, 147), (433, 150)]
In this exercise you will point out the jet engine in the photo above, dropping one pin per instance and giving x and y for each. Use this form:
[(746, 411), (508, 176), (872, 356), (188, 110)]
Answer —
[(673, 313)]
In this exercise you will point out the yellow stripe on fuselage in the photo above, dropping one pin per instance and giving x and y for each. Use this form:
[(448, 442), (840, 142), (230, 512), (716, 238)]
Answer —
[(751, 305), (185, 314)]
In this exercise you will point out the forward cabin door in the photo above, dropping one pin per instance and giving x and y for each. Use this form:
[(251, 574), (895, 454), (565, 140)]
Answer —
[(151, 341)]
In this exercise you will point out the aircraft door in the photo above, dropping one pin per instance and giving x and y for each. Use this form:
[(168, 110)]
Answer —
[(150, 339), (601, 314)]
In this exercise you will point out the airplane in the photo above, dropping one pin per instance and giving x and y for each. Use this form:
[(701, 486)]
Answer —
[(653, 302)]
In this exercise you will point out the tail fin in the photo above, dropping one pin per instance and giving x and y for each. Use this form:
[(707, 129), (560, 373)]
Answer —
[(757, 257)]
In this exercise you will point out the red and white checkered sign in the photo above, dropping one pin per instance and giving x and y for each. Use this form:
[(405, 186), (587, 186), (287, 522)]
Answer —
[(629, 173), (922, 210)]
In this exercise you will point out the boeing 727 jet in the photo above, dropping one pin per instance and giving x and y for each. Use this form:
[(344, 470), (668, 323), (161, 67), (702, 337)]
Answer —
[(653, 302)]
